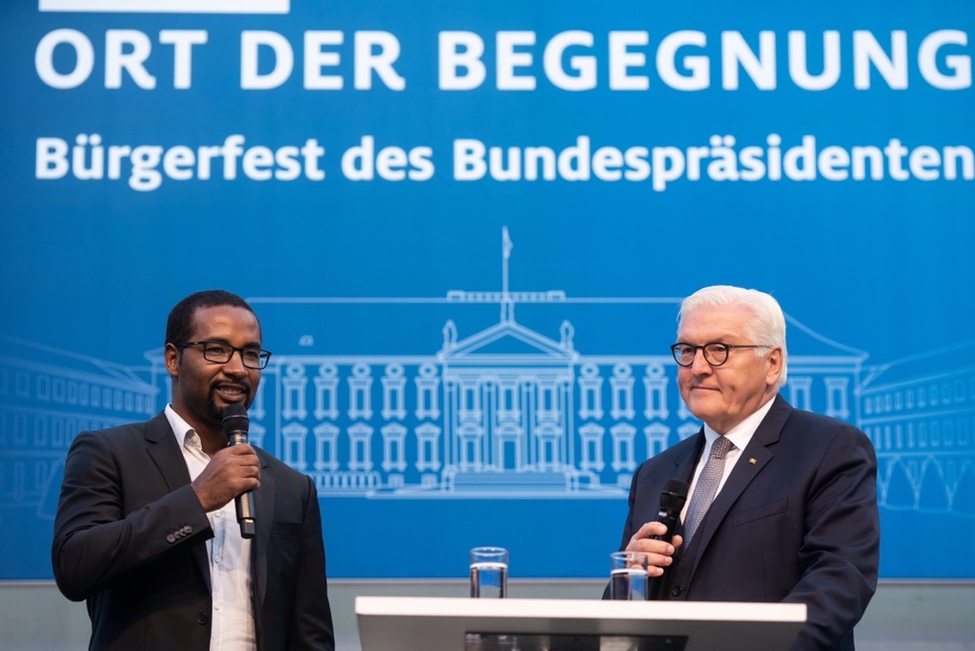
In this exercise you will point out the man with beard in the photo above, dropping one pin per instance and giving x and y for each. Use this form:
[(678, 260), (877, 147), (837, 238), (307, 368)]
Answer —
[(146, 528)]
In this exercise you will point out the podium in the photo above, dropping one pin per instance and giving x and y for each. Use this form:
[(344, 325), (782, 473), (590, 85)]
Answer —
[(462, 624)]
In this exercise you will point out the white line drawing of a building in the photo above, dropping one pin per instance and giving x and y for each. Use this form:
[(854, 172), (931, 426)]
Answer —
[(47, 396), (495, 393), (919, 413), (501, 408)]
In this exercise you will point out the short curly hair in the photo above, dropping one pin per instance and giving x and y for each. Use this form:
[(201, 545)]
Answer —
[(179, 325)]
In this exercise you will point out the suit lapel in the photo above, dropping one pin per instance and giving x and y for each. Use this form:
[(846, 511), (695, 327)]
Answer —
[(264, 509), (684, 469), (165, 453), (753, 458), (163, 449), (684, 465)]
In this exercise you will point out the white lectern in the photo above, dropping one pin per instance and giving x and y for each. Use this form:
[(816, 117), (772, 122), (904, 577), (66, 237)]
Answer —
[(456, 624)]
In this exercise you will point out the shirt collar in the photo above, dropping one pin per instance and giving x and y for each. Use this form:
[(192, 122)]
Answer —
[(741, 434), (181, 429)]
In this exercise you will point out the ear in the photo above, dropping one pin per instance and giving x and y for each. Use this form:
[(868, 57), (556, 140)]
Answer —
[(172, 356), (774, 360)]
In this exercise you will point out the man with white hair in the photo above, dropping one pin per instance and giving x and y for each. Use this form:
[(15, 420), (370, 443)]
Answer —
[(782, 503)]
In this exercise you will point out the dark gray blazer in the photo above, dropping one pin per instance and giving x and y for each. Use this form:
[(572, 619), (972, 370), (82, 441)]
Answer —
[(130, 538), (796, 521)]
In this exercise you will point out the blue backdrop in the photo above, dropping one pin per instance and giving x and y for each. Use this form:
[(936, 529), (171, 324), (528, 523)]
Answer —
[(466, 229)]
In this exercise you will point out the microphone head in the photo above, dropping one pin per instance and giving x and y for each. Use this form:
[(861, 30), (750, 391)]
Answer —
[(673, 496), (235, 419)]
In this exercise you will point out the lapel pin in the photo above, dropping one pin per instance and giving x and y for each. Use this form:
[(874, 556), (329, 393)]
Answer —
[(752, 460)]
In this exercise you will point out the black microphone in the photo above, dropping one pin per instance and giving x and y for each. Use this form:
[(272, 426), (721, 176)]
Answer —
[(671, 502), (235, 424)]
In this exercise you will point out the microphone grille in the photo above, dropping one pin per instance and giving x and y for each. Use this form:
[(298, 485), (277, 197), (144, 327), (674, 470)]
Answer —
[(676, 486), (674, 495), (235, 418)]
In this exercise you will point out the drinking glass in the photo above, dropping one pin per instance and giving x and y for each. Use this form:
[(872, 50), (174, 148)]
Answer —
[(489, 572), (628, 578)]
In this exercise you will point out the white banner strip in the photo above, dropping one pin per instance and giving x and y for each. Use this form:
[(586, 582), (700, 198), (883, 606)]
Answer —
[(169, 6)]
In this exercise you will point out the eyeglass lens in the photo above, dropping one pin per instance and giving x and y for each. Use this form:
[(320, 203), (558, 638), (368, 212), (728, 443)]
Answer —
[(221, 354)]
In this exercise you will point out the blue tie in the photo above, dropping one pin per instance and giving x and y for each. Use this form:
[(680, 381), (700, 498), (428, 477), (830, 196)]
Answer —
[(707, 486)]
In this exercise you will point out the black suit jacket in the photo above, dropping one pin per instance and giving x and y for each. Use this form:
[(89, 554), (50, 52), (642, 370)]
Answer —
[(130, 538), (796, 521)]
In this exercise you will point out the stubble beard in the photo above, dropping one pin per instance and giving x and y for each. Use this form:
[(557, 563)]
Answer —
[(215, 411)]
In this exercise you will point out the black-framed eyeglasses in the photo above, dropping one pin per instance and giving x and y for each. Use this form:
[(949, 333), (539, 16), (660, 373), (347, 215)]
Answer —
[(715, 352), (220, 352)]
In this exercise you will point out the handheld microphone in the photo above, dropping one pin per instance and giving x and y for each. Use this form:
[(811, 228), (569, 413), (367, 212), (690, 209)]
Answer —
[(235, 425), (671, 502)]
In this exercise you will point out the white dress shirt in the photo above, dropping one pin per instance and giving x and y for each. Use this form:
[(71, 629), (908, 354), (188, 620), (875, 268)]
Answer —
[(232, 619), (741, 434)]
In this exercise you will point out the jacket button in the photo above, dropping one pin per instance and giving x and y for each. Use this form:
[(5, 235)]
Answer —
[(170, 538), (676, 591), (202, 618)]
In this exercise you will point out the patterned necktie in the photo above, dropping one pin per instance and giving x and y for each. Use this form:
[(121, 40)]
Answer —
[(707, 486)]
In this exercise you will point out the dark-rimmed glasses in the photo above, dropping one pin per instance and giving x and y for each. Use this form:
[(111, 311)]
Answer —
[(220, 352), (715, 352)]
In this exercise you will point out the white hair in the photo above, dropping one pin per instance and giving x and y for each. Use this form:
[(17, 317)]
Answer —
[(766, 328)]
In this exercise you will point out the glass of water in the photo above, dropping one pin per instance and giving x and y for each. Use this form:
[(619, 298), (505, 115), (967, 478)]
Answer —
[(489, 572), (628, 578)]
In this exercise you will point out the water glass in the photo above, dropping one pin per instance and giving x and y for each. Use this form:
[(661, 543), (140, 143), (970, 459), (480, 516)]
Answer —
[(489, 572), (628, 578)]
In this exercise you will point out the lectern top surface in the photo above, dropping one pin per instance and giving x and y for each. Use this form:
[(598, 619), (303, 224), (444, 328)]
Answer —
[(387, 623)]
